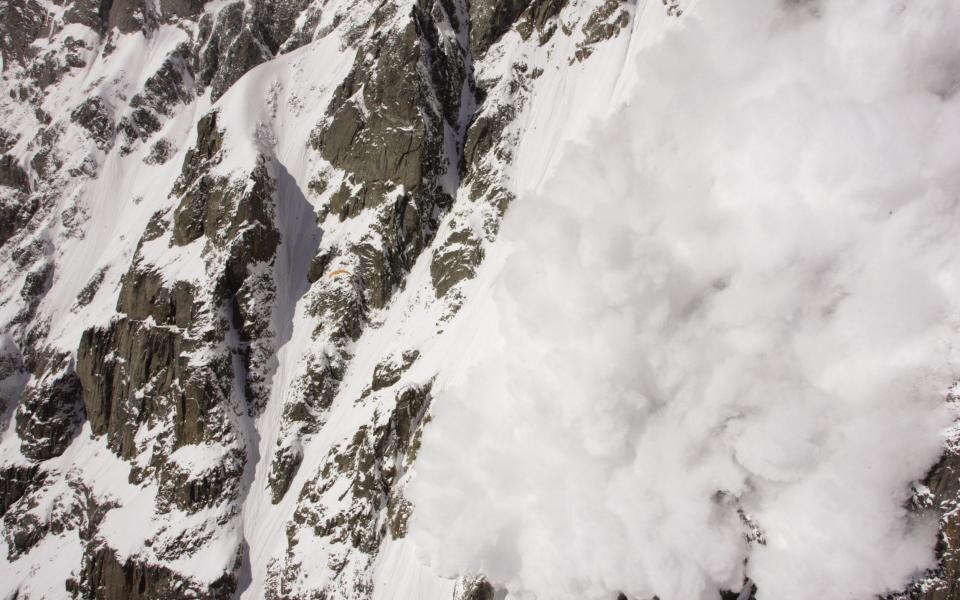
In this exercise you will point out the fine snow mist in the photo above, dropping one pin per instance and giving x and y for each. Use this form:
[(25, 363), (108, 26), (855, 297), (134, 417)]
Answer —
[(739, 294)]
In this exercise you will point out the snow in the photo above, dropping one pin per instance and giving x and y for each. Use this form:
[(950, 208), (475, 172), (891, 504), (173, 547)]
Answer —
[(729, 268), (198, 459), (742, 279), (401, 576)]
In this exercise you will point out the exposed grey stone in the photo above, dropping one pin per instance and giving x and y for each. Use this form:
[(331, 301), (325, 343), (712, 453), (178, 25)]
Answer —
[(229, 47), (490, 19), (339, 309), (160, 152), (747, 592), (455, 260), (114, 363), (8, 140), (138, 125), (283, 468), (541, 11), (389, 371), (145, 295), (50, 412), (217, 31), (106, 577), (46, 161), (15, 481), (275, 21), (127, 15), (319, 264), (94, 116), (13, 175), (373, 462), (35, 285), (395, 142), (941, 497), (90, 289), (92, 13), (193, 491), (21, 22), (15, 213), (246, 52), (316, 389), (474, 588), (204, 154), (167, 87), (605, 22)]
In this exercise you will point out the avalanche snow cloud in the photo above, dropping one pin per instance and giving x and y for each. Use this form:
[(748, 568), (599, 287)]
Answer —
[(739, 293)]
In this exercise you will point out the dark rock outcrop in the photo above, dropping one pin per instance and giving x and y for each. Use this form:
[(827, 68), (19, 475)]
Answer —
[(15, 213), (168, 86), (107, 577), (283, 468), (939, 494), (21, 22), (116, 365), (374, 462), (490, 19), (229, 47), (94, 116), (604, 23), (192, 491), (50, 412), (747, 592), (12, 175), (275, 22), (475, 588), (944, 485), (92, 13), (455, 260), (15, 481), (389, 371)]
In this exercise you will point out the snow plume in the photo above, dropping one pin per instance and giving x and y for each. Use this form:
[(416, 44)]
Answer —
[(740, 294)]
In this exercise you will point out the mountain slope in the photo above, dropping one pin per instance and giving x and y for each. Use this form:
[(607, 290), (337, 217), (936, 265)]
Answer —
[(232, 232), (251, 257)]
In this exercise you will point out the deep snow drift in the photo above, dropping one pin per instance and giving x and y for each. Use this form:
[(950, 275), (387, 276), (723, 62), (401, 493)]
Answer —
[(741, 291)]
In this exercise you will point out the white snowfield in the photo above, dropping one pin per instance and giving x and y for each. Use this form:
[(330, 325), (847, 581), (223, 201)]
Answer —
[(727, 293)]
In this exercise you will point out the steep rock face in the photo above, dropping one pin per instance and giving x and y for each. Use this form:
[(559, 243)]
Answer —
[(16, 207), (115, 363), (229, 49), (50, 411), (490, 20), (15, 481), (22, 24), (105, 576), (139, 369), (944, 487), (391, 137), (13, 175)]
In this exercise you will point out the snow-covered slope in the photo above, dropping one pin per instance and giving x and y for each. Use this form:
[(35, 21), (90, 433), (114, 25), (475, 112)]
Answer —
[(470, 299)]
